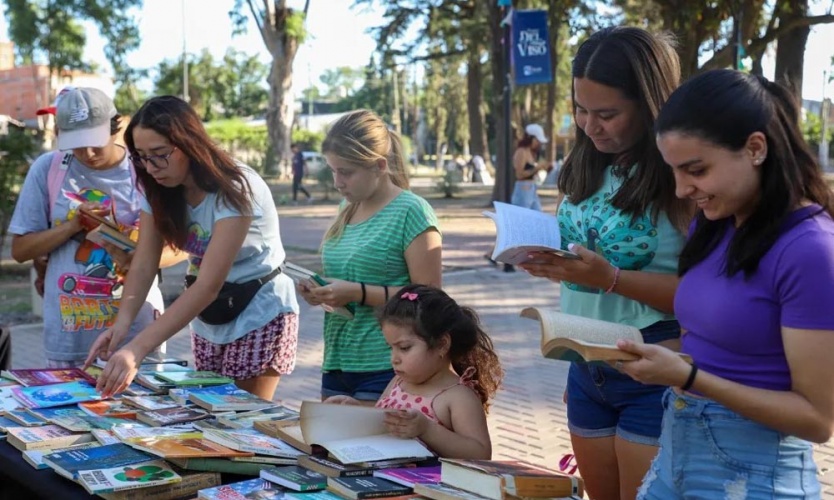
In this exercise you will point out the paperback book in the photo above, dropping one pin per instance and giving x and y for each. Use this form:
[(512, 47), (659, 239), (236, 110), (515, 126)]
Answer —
[(187, 487), (35, 457), (193, 378), (251, 488), (47, 376), (25, 419), (171, 416), (44, 438), (7, 400), (300, 274), (184, 446), (151, 403), (409, 476), (331, 468), (358, 488), (69, 463), (47, 396), (290, 433), (522, 231), (247, 419), (360, 435), (108, 408), (496, 478), (295, 478), (252, 440), (141, 475), (228, 397)]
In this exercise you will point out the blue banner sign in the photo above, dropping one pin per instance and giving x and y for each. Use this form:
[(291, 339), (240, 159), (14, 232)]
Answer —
[(530, 48)]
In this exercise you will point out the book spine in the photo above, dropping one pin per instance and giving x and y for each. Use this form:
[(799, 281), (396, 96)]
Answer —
[(362, 495), (541, 487)]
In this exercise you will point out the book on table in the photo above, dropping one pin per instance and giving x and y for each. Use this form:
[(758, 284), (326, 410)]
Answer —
[(496, 479), (69, 463), (440, 491), (244, 466), (299, 274), (108, 408), (331, 468), (360, 435), (575, 338), (288, 432), (68, 417), (409, 476), (24, 418), (151, 403), (47, 376), (47, 396), (521, 231), (128, 477), (251, 488), (252, 440), (35, 457), (295, 478), (228, 397), (44, 437), (7, 400), (193, 378), (247, 419), (192, 445), (171, 416), (359, 488), (187, 487)]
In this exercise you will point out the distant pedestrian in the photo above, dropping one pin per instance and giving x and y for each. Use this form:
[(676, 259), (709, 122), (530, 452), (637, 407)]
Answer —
[(299, 170), (527, 165)]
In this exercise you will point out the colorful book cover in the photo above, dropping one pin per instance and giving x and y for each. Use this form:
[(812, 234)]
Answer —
[(312, 495), (192, 378), (110, 422), (35, 457), (141, 475), (105, 436), (6, 423), (227, 397), (295, 478), (24, 418), (135, 389), (68, 417), (184, 447), (48, 376), (409, 476), (70, 462), (115, 408), (47, 436), (171, 416), (252, 440), (47, 396), (160, 402), (127, 434), (241, 490)]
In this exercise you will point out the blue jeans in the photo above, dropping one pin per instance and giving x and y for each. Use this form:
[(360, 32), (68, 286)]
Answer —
[(709, 451), (524, 195), (364, 386), (604, 402)]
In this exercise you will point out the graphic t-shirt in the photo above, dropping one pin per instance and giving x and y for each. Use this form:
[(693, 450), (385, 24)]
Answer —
[(262, 251), (634, 245), (371, 252), (81, 289)]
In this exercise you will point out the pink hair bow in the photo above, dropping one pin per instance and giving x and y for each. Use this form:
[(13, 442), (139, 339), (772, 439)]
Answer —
[(410, 296)]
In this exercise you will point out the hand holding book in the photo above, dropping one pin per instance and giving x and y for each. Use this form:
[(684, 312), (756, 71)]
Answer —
[(656, 364)]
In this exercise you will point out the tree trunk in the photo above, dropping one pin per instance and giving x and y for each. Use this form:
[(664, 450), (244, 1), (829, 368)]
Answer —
[(477, 128), (790, 51), (503, 171), (554, 17)]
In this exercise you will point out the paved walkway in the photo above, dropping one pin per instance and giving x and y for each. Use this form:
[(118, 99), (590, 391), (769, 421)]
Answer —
[(527, 420)]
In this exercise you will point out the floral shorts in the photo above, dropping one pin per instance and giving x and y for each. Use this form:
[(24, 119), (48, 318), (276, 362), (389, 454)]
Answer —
[(271, 346)]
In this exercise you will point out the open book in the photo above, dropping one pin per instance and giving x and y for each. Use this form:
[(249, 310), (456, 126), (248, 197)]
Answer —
[(299, 274), (575, 338), (108, 231), (520, 231), (358, 435)]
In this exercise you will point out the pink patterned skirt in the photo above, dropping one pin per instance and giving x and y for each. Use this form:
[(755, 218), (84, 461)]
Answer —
[(271, 346)]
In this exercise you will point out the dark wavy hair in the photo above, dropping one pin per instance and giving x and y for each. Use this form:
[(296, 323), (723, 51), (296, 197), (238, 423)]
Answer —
[(723, 107), (212, 169), (434, 314), (646, 69)]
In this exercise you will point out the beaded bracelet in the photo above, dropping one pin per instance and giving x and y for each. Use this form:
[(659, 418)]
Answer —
[(616, 279)]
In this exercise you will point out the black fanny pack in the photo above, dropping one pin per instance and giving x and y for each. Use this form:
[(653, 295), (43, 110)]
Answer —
[(232, 299)]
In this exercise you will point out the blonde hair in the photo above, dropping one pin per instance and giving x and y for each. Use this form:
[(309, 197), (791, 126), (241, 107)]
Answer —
[(361, 138)]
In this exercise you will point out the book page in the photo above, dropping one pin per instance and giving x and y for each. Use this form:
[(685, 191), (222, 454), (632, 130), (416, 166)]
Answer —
[(522, 230), (556, 324), (379, 447), (317, 422)]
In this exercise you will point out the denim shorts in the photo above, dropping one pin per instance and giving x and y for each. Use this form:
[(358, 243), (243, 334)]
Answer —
[(524, 195), (604, 402), (364, 386), (709, 451)]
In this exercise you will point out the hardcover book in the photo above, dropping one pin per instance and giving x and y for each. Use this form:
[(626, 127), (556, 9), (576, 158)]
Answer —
[(141, 475), (228, 397), (45, 437), (193, 378), (69, 463), (520, 231), (358, 488), (496, 478), (47, 396), (575, 338), (360, 436), (295, 478), (48, 376), (171, 416), (252, 440), (251, 488)]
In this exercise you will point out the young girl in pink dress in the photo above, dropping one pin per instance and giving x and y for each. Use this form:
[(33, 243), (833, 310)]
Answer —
[(446, 371)]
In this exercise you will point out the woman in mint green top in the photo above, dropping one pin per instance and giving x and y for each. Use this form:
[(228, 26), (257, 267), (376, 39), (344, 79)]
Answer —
[(383, 238), (620, 214)]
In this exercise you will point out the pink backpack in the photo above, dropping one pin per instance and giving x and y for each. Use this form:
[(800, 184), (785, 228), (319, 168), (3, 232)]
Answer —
[(58, 172)]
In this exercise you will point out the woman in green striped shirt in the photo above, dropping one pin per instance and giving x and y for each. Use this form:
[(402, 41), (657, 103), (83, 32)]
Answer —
[(383, 238)]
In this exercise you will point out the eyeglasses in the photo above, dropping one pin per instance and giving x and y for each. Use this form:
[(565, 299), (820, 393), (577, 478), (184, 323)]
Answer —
[(158, 161)]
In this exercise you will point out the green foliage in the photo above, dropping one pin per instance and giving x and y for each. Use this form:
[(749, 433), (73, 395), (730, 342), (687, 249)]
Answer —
[(812, 131), (129, 98), (16, 151), (231, 87), (248, 143), (325, 179), (310, 140)]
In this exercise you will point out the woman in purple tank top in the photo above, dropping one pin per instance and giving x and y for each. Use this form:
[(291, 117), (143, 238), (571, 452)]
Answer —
[(754, 298)]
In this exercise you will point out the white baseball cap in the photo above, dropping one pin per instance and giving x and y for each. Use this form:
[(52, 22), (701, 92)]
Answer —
[(83, 119), (536, 131)]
